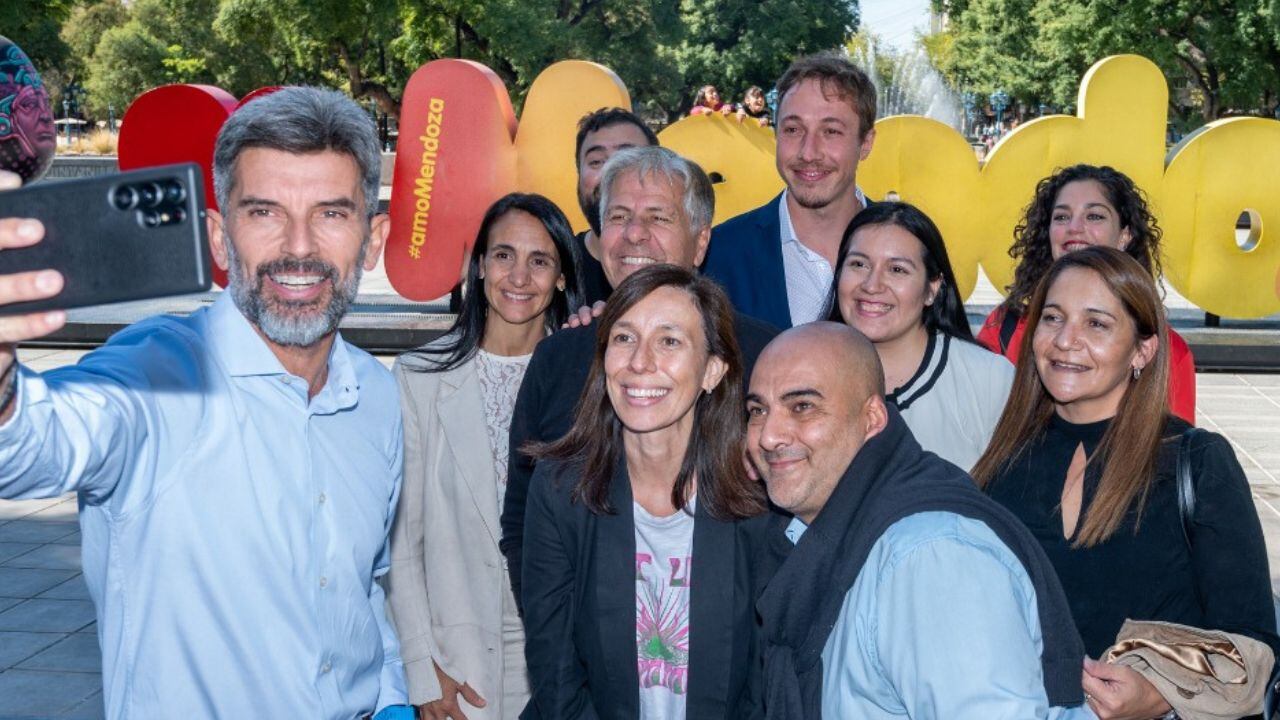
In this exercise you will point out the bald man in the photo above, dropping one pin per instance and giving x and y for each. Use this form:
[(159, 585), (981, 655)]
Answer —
[(958, 615)]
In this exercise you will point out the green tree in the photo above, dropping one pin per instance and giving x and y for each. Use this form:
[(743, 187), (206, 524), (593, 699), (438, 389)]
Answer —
[(334, 42), (127, 62), (370, 47), (34, 25), (992, 48), (159, 42), (1220, 56), (84, 28), (733, 44), (520, 38)]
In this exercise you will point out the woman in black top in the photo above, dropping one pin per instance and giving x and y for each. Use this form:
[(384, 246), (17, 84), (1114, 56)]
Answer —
[(1086, 454)]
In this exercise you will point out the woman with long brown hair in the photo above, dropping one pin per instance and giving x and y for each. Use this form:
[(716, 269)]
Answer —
[(1086, 455), (644, 536)]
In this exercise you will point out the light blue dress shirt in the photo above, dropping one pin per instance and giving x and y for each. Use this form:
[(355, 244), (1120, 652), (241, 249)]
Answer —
[(232, 530), (940, 623)]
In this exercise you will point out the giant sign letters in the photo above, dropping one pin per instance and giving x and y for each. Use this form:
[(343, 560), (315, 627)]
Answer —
[(461, 148)]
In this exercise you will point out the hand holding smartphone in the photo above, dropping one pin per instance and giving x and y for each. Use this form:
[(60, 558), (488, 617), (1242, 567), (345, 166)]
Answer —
[(124, 236)]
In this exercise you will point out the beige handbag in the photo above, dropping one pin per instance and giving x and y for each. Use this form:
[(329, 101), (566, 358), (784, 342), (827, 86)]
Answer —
[(1202, 674)]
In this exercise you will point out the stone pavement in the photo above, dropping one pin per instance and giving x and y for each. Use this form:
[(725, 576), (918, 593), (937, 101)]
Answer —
[(49, 660)]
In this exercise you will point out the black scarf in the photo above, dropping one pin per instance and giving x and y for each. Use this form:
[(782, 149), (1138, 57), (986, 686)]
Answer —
[(890, 478)]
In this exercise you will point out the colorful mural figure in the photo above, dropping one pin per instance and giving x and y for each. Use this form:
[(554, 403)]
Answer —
[(28, 137)]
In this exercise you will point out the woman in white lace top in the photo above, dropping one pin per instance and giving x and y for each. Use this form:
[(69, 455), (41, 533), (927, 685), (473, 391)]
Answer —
[(450, 596)]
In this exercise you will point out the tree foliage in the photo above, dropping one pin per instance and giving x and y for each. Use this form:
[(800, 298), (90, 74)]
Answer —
[(1221, 56), (739, 43), (121, 48)]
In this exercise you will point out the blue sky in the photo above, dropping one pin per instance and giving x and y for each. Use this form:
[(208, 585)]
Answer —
[(895, 21)]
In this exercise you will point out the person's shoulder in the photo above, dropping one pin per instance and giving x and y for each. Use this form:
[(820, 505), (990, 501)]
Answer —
[(748, 218), (1178, 347), (943, 537), (428, 358), (754, 329), (163, 344), (978, 359), (554, 480), (1206, 445), (372, 375), (566, 345)]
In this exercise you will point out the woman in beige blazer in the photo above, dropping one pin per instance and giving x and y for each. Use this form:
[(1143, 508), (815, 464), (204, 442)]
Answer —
[(450, 596)]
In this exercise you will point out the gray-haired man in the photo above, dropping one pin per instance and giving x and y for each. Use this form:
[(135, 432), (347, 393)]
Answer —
[(237, 469), (655, 207)]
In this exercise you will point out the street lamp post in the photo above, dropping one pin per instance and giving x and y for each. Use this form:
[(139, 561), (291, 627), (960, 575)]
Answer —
[(66, 114), (999, 101)]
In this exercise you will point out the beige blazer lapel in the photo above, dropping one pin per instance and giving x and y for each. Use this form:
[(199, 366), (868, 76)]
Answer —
[(461, 409)]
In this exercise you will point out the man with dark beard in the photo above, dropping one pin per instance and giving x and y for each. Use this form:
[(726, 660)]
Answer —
[(600, 135), (237, 469), (777, 261)]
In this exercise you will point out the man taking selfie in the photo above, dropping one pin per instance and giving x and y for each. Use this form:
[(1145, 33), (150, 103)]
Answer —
[(237, 469)]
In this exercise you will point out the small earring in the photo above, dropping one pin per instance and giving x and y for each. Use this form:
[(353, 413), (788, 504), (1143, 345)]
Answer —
[(1137, 372)]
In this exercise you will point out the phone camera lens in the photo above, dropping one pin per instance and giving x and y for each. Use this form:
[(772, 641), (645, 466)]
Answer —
[(151, 194), (174, 193), (150, 218), (124, 197), (177, 216)]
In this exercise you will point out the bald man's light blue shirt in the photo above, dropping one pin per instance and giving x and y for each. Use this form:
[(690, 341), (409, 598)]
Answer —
[(233, 530), (941, 622)]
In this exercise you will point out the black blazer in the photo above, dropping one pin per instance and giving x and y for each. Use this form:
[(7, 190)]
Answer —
[(580, 606)]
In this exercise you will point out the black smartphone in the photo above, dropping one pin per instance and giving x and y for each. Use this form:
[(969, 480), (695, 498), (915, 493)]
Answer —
[(124, 236)]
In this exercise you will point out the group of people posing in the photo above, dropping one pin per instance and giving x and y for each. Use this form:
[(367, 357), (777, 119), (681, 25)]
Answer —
[(659, 470)]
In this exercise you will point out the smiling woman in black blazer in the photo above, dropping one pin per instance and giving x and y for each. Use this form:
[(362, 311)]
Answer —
[(644, 537)]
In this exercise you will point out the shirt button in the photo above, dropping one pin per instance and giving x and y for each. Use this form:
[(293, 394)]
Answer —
[(322, 498), (323, 581), (325, 668)]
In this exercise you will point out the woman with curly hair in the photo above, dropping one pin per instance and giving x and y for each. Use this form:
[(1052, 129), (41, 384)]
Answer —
[(1074, 208)]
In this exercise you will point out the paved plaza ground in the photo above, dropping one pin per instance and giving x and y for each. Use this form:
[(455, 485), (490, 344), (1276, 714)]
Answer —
[(49, 662)]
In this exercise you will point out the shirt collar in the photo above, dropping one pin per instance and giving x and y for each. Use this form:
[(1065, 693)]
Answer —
[(242, 351), (795, 530), (784, 215)]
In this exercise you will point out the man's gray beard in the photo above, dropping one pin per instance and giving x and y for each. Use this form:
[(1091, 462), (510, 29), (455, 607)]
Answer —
[(294, 329)]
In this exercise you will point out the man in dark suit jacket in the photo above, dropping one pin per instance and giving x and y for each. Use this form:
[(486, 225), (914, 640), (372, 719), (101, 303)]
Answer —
[(777, 261), (657, 208)]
